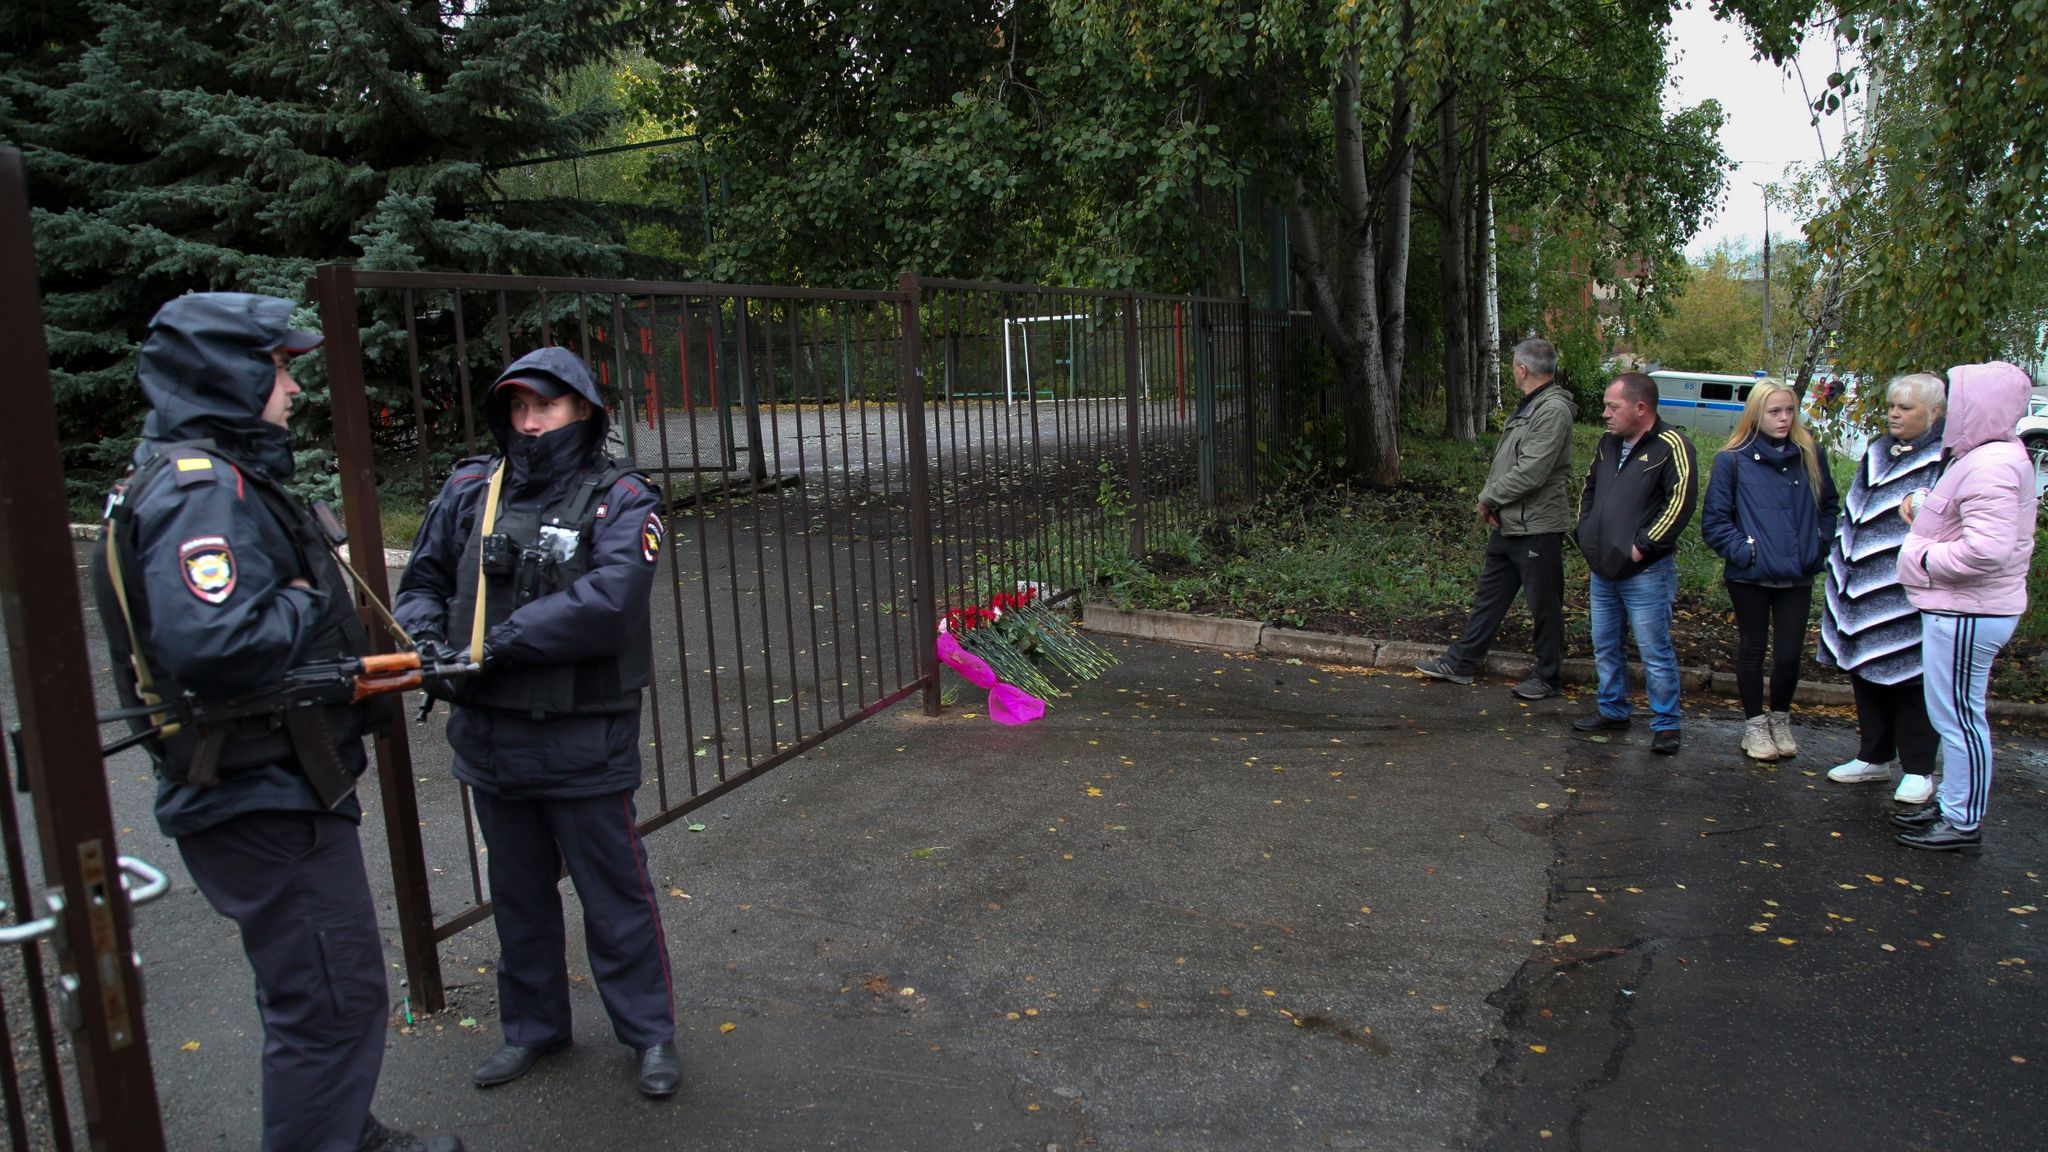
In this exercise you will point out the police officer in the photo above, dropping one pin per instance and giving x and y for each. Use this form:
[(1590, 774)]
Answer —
[(541, 561), (214, 580)]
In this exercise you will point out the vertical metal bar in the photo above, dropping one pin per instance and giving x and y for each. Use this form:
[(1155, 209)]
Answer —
[(476, 877), (462, 377), (654, 688), (419, 408), (547, 330), (877, 527), (1134, 469), (59, 728), (33, 984), (1205, 404), (831, 541), (889, 537), (704, 574), (619, 373), (675, 565), (750, 404), (504, 334), (351, 423), (1247, 376), (927, 626), (742, 307), (852, 519), (782, 539), (803, 490)]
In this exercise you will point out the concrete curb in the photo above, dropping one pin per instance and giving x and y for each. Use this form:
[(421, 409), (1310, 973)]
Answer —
[(1400, 655), (393, 557)]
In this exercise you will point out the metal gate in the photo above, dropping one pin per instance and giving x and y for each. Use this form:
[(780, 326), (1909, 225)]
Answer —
[(84, 918), (838, 468)]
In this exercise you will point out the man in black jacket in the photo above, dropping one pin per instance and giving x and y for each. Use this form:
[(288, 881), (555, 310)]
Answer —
[(1640, 494), (213, 582)]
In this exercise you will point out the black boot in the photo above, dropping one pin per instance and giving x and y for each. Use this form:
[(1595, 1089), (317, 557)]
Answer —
[(661, 1071), (511, 1062)]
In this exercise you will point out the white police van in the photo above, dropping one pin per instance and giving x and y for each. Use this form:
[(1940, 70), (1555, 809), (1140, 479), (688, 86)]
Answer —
[(1702, 402)]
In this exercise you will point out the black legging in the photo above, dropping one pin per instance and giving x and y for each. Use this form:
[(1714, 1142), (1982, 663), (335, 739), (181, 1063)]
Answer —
[(1778, 614)]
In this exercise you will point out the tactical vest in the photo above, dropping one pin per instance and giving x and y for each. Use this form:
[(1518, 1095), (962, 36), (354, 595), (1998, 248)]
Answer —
[(530, 554), (337, 632)]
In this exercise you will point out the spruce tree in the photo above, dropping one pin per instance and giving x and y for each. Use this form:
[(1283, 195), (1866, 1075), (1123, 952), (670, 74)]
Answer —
[(181, 145)]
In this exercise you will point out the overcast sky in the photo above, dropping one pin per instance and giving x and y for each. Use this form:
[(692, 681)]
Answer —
[(1769, 125)]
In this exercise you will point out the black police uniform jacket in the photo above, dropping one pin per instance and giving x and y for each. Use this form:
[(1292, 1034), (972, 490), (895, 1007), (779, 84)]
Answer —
[(555, 713), (213, 542)]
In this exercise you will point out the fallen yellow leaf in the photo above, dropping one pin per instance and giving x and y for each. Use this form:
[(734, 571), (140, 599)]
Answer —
[(1539, 1049), (727, 1027), (1787, 940), (190, 1046)]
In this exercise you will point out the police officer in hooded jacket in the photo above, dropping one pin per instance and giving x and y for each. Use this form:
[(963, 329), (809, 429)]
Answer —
[(213, 580), (540, 561)]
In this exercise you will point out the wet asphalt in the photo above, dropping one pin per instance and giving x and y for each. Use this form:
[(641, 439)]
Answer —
[(1218, 902)]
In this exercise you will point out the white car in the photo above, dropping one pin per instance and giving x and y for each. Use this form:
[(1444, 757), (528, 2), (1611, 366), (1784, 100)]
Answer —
[(2033, 427)]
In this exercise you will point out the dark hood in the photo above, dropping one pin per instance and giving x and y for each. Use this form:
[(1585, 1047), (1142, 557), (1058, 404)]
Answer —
[(207, 371), (542, 463)]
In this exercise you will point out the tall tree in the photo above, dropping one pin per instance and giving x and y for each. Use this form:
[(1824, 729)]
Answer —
[(1935, 216), (174, 145)]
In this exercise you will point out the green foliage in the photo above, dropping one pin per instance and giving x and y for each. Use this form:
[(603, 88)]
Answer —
[(1716, 323), (1937, 211), (175, 146)]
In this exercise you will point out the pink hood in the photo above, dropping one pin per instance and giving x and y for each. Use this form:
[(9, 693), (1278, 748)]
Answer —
[(1985, 403)]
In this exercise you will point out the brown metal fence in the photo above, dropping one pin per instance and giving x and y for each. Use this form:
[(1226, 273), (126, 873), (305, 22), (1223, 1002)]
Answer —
[(839, 468)]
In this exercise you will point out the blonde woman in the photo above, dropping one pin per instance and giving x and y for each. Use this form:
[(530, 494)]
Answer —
[(1770, 514)]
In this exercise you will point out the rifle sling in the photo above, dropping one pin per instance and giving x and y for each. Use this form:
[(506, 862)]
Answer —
[(476, 624)]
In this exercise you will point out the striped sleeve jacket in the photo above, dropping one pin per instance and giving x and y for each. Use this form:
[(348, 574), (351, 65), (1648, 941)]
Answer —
[(1641, 502)]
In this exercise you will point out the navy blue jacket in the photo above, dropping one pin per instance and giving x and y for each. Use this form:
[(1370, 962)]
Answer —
[(513, 754), (1760, 514), (207, 371)]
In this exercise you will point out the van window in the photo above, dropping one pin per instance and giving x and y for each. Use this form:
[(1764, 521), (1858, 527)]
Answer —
[(1744, 393), (1717, 391)]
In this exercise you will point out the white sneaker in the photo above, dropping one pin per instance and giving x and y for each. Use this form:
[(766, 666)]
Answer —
[(1914, 789), (1862, 771)]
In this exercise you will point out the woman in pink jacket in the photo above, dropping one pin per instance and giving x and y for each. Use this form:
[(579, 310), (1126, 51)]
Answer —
[(1965, 567)]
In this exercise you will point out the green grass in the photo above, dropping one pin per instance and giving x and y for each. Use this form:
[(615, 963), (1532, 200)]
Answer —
[(1401, 565)]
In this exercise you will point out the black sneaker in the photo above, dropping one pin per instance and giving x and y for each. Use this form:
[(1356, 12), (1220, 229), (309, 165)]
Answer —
[(1534, 689), (1600, 722), (1439, 668), (1664, 741)]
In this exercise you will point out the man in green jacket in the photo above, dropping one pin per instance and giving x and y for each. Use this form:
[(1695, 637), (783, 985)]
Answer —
[(1527, 503)]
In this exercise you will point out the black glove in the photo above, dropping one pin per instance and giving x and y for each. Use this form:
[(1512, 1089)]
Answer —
[(435, 651)]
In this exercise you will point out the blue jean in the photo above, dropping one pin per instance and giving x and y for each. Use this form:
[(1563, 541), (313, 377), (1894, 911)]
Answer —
[(1956, 654), (1643, 603)]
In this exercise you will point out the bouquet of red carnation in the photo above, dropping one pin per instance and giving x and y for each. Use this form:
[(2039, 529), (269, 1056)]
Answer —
[(1020, 638)]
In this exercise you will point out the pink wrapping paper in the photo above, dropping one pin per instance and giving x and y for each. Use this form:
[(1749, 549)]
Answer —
[(1008, 704)]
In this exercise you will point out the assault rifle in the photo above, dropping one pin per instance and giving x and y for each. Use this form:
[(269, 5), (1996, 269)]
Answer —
[(298, 704)]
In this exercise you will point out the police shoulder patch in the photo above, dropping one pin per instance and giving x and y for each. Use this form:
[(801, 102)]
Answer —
[(209, 567), (194, 469), (651, 533)]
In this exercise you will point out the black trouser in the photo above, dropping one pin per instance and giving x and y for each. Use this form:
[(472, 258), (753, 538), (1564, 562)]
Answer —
[(1533, 565), (1892, 721), (1779, 616), (295, 885)]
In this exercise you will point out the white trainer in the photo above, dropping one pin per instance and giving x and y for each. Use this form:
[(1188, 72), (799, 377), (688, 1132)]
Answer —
[(1914, 789), (1862, 771)]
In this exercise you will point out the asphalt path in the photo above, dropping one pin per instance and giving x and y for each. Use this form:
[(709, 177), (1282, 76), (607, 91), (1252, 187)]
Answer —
[(1216, 902)]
